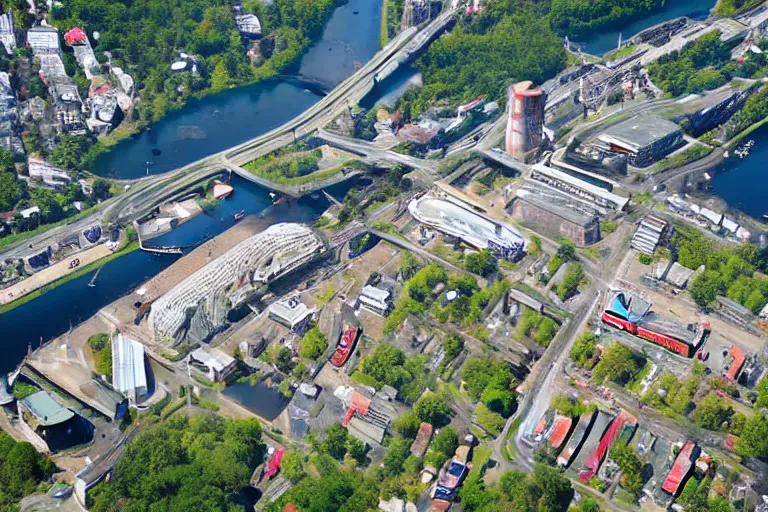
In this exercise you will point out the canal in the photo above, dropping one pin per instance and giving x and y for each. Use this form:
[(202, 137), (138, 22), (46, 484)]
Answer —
[(608, 40), (234, 116), (217, 122)]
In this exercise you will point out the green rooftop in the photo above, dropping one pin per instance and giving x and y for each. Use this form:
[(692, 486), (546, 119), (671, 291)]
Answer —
[(46, 410)]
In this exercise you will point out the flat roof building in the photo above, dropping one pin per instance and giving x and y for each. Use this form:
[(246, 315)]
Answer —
[(129, 374), (578, 187), (291, 313), (376, 300), (216, 363), (645, 139)]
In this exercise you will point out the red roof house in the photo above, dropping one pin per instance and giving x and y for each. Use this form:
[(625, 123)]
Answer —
[(562, 426), (737, 358)]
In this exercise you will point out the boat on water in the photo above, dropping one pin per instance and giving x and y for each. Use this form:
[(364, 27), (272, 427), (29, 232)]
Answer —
[(239, 215), (345, 346)]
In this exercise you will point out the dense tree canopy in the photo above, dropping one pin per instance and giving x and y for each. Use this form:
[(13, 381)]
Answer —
[(580, 18), (21, 470), (145, 38), (484, 55), (193, 464)]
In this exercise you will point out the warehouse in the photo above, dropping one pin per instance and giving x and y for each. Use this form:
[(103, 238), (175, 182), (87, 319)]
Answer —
[(645, 139)]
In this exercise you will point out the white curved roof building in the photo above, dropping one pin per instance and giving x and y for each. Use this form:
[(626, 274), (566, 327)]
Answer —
[(198, 306), (473, 228)]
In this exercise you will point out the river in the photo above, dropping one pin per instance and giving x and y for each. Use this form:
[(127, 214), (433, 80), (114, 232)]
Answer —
[(228, 118), (608, 40), (741, 182), (214, 123)]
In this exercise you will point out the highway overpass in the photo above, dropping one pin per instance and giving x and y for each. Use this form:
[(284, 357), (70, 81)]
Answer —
[(148, 193)]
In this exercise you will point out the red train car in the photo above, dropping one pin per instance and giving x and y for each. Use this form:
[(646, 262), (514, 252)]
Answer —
[(643, 323)]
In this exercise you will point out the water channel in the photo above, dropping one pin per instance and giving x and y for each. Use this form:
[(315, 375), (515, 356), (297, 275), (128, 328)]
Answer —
[(741, 182), (215, 123), (228, 118), (605, 41)]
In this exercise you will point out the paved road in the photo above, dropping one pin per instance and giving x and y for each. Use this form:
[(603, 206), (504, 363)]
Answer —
[(147, 193)]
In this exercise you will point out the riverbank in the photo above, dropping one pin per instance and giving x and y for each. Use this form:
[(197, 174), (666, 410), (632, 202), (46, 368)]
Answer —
[(52, 281)]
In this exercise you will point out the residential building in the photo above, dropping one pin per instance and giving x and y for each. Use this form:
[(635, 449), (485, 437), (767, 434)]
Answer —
[(377, 300)]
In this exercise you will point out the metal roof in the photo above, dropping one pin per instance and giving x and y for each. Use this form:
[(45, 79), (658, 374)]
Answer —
[(129, 374), (212, 358), (639, 131), (291, 310), (46, 410)]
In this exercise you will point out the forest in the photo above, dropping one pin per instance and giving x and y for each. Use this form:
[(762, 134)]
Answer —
[(579, 18), (21, 471), (199, 463), (145, 37)]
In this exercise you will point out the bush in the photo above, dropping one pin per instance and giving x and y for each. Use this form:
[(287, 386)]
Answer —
[(584, 349), (490, 421), (483, 263), (645, 259), (618, 364), (712, 412), (571, 280), (407, 425), (313, 344), (433, 409)]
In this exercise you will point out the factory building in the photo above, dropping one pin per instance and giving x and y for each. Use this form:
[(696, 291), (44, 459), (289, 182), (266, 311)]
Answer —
[(578, 188), (525, 122), (557, 214), (645, 139)]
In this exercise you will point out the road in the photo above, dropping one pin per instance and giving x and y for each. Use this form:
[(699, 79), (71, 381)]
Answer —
[(147, 193), (542, 384)]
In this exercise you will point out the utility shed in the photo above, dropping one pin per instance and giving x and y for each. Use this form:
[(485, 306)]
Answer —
[(217, 364), (44, 411), (129, 375), (518, 296), (678, 275)]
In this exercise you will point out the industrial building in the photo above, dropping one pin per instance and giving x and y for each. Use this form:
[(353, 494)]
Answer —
[(525, 122), (645, 139), (198, 306), (579, 188), (475, 229), (129, 373), (558, 214)]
